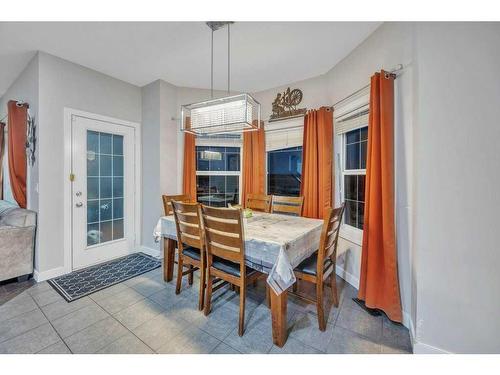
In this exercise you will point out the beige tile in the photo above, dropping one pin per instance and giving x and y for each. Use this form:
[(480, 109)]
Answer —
[(97, 336), (18, 305), (135, 315), (117, 302), (293, 346), (160, 330), (31, 341), (149, 286), (190, 341), (57, 348), (224, 349), (45, 297), (304, 327), (62, 307), (361, 322), (78, 320), (256, 340), (20, 324), (127, 344), (347, 342)]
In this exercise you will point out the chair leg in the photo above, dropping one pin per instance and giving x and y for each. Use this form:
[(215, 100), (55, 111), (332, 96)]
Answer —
[(201, 297), (179, 275), (319, 305), (208, 294), (268, 296), (241, 327), (333, 286), (295, 286), (190, 276)]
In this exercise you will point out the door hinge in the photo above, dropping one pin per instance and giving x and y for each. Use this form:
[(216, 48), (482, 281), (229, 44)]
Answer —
[(71, 177)]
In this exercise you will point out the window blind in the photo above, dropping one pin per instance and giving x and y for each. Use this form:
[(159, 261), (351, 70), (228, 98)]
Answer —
[(352, 113), (352, 122), (284, 134)]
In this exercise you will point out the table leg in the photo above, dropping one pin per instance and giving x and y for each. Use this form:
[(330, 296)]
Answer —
[(168, 259), (279, 318)]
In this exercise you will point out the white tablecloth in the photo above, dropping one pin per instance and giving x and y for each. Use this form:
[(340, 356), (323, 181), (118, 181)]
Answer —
[(274, 244)]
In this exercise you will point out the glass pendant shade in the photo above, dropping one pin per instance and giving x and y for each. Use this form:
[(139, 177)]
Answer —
[(232, 114)]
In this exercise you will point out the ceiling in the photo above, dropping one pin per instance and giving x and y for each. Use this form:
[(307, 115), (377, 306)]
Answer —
[(263, 54)]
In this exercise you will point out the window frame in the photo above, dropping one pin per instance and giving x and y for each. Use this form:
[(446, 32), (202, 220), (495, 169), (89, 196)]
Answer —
[(349, 232), (223, 142)]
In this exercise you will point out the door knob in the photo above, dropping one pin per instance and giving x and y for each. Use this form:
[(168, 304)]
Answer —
[(79, 204)]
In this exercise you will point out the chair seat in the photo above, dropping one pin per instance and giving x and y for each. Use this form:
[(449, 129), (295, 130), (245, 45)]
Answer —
[(230, 267), (310, 265), (191, 252)]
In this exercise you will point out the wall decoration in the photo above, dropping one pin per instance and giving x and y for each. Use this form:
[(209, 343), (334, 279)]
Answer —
[(31, 140), (285, 105)]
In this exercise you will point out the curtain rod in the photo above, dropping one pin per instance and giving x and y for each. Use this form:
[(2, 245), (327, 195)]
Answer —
[(19, 103), (394, 71)]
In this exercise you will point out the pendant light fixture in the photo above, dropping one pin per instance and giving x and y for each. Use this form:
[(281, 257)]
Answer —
[(230, 114)]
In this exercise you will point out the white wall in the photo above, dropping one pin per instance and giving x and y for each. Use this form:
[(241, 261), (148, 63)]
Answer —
[(159, 163), (389, 45), (64, 84), (456, 186), (25, 88)]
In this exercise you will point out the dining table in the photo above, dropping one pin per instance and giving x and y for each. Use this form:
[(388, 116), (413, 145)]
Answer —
[(274, 244)]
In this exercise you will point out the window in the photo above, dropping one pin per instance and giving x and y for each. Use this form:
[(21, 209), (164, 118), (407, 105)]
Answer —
[(284, 171), (353, 174), (218, 175)]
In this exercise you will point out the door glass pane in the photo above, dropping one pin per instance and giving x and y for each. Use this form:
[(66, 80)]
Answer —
[(105, 190)]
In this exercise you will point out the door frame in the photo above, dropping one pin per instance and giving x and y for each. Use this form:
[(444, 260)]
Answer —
[(68, 214)]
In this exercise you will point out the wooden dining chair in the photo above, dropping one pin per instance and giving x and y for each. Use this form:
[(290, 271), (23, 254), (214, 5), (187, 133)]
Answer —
[(287, 205), (225, 246), (259, 202), (321, 265), (190, 244), (167, 199)]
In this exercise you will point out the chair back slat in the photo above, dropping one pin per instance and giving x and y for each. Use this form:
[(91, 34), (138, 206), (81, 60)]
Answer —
[(287, 205), (224, 233), (329, 237), (188, 224), (259, 202), (167, 199)]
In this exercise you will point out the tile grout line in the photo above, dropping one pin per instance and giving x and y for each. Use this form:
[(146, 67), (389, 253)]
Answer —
[(57, 333)]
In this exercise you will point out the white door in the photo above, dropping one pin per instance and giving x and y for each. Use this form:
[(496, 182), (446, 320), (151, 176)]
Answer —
[(103, 201)]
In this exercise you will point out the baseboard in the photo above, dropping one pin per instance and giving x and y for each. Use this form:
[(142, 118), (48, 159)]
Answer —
[(49, 274), (349, 277), (150, 251), (408, 323), (421, 348)]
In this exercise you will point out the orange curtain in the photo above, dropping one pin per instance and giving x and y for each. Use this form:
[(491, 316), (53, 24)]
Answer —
[(18, 117), (2, 150), (317, 162), (254, 162), (379, 285), (189, 174)]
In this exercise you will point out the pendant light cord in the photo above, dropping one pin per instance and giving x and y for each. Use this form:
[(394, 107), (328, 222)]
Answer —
[(228, 58), (212, 68)]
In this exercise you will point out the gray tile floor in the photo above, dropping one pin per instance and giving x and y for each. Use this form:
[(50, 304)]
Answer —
[(143, 315)]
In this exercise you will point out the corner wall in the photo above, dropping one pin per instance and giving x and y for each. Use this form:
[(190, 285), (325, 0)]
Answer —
[(389, 45), (65, 84), (26, 88), (456, 186)]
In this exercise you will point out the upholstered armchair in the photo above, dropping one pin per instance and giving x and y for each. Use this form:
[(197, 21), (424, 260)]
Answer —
[(17, 241)]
